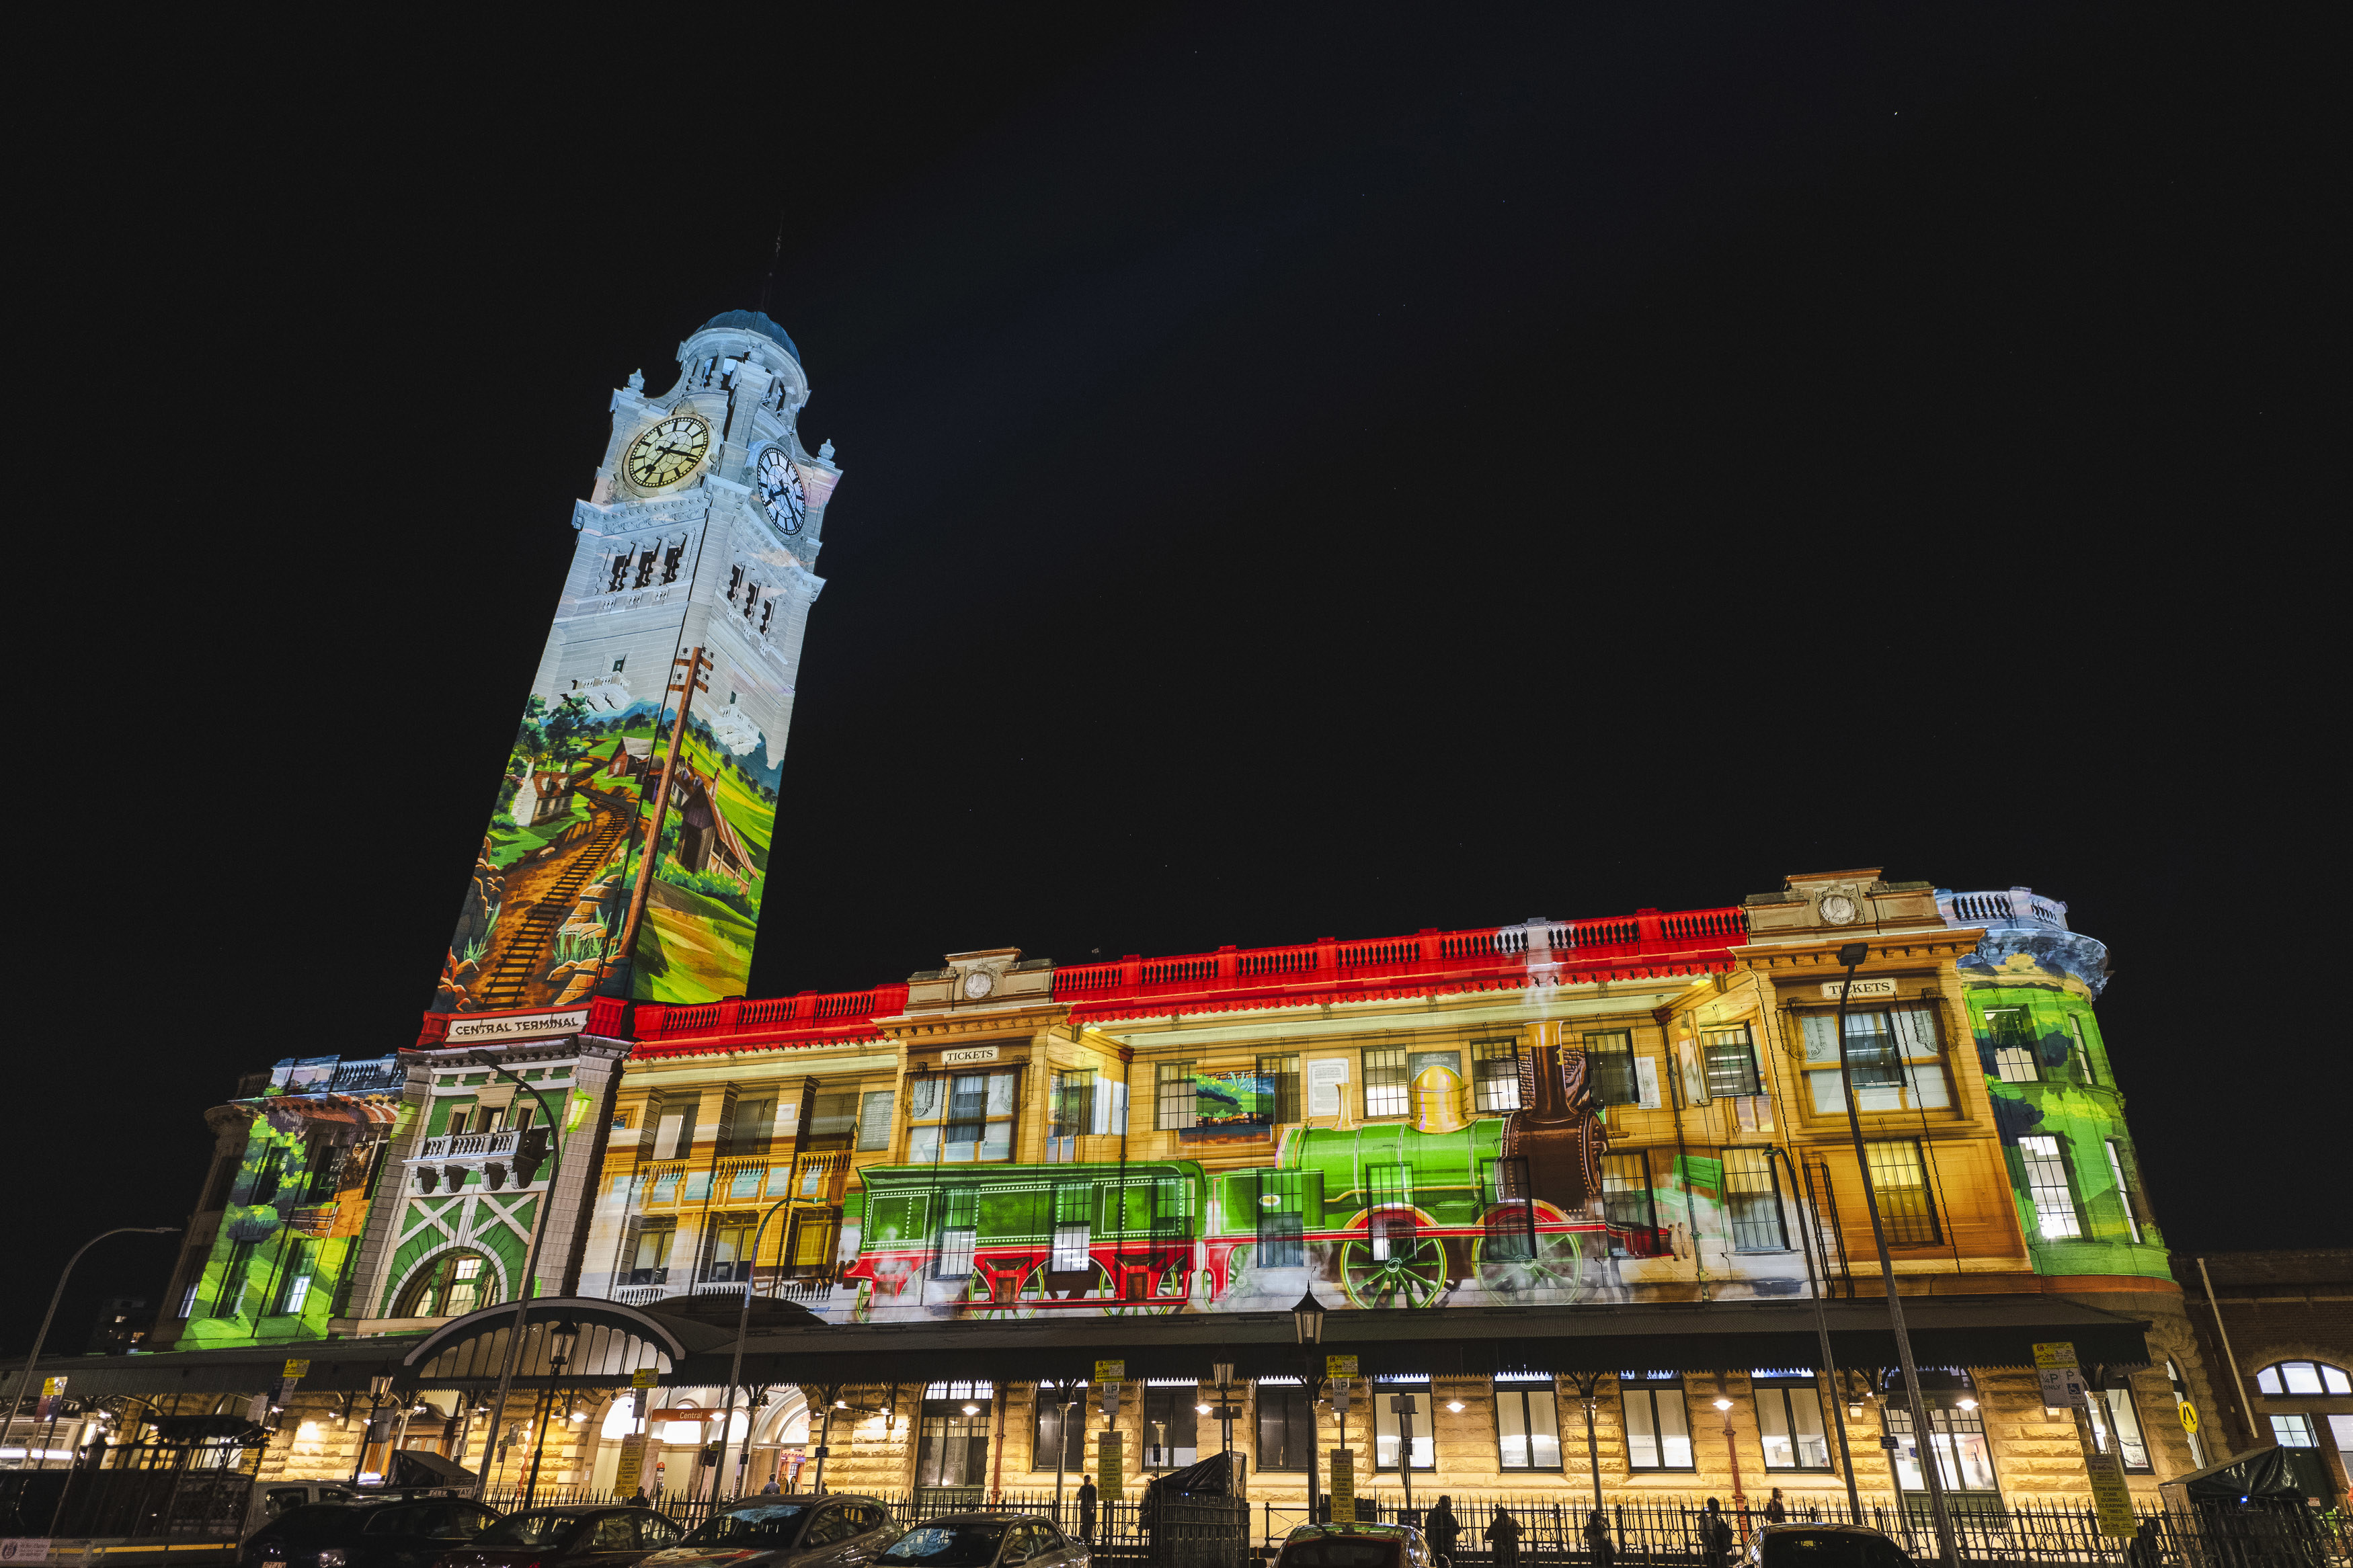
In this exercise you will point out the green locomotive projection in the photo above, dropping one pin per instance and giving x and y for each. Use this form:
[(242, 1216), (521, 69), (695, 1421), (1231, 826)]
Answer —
[(1436, 1209)]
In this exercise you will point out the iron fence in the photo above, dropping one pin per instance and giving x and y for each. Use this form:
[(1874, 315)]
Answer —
[(1654, 1533)]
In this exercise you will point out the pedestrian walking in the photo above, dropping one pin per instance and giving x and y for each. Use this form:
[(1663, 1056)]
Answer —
[(1087, 1510), (1714, 1536), (1598, 1545), (1444, 1530), (1503, 1537), (1775, 1510)]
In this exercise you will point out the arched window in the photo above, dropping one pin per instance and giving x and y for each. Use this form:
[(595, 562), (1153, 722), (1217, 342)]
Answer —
[(450, 1286), (2302, 1377)]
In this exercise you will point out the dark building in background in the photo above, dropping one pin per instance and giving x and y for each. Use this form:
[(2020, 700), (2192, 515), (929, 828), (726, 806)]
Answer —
[(2288, 1320)]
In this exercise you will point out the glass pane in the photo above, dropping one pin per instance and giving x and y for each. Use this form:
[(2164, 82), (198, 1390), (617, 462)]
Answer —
[(2301, 1376), (1830, 1094), (1773, 1429), (1929, 1089), (1641, 1436), (1543, 1430), (922, 1144), (2334, 1379), (2293, 1432), (1512, 1428), (1674, 1435), (2125, 1421), (1000, 1093), (1806, 1428)]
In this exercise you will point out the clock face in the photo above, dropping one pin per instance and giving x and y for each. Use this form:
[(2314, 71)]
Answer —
[(668, 453), (1838, 910), (781, 495), (978, 984)]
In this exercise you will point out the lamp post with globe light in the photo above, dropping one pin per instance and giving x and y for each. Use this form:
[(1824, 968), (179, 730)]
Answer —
[(1307, 1318)]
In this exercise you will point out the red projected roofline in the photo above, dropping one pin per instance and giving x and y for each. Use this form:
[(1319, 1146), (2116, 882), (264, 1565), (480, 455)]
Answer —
[(1645, 945)]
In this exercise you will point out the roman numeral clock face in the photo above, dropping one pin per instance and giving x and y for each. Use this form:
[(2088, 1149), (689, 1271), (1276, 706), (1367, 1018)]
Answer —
[(781, 495), (668, 453)]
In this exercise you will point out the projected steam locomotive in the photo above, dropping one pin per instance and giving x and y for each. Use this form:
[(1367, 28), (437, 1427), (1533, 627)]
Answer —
[(1395, 1214)]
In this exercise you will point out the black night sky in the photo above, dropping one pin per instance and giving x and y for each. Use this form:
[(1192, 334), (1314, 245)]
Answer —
[(1308, 473)]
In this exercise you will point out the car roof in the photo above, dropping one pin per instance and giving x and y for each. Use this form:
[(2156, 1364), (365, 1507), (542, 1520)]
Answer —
[(1307, 1531), (1841, 1526), (983, 1516)]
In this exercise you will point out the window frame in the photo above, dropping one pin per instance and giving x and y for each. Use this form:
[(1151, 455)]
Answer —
[(1284, 1085), (1070, 1422), (2051, 1184), (1610, 1069), (1531, 1397), (1174, 1403), (1175, 1106), (1646, 1194), (1903, 1225), (1724, 1049), (1632, 1388), (998, 1129), (1494, 1093), (1786, 1393), (1386, 1430), (1740, 1216), (2278, 1388), (1291, 1398), (2128, 1191), (1387, 1075)]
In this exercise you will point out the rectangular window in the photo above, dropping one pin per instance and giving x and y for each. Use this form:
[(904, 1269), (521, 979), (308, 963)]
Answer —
[(811, 1247), (1873, 1057), (1281, 1075), (1752, 1196), (874, 1121), (1963, 1461), (1899, 1176), (2016, 1058), (2293, 1432), (672, 1133), (1074, 1227), (1062, 1417), (730, 1244), (2121, 1421), (1789, 1425), (1390, 1192), (1176, 1101), (1610, 1058), (1658, 1429), (1731, 1062), (296, 1292), (1069, 1109), (2126, 1197), (2078, 1052), (1281, 1223), (952, 1448), (1511, 1212), (2340, 1432), (1286, 1426), (1171, 1428), (960, 1118), (833, 1121), (958, 1211), (1626, 1202), (754, 1125), (1496, 1064), (1385, 1083), (2046, 1183), (188, 1300), (1527, 1429), (649, 1258), (1388, 1425)]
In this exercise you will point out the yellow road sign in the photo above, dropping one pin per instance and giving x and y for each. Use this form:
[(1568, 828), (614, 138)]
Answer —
[(1110, 1371), (1344, 1486), (1339, 1366), (643, 1377), (1111, 1463), (298, 1369), (2188, 1414), (631, 1472)]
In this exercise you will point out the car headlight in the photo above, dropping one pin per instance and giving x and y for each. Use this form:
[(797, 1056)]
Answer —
[(331, 1557)]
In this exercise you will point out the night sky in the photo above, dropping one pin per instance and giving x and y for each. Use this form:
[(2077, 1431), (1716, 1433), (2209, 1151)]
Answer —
[(1307, 475)]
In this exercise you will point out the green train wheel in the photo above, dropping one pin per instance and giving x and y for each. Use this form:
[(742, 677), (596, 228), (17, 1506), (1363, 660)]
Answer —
[(1505, 1268), (1238, 1270), (1413, 1275)]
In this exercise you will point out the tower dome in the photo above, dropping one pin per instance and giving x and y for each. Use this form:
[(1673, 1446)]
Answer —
[(755, 321)]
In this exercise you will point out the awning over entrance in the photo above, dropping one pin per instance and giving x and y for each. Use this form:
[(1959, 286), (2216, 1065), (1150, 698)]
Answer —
[(608, 1341), (1964, 1331)]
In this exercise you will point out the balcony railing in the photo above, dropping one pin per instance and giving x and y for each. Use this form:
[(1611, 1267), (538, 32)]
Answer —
[(1646, 935), (830, 1013), (2001, 907), (468, 1145)]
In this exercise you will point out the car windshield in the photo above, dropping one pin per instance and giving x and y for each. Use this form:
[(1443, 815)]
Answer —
[(773, 1524), (947, 1545), (541, 1526), (1340, 1551), (1826, 1549)]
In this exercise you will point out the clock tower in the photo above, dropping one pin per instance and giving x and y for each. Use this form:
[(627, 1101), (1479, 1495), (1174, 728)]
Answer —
[(628, 850)]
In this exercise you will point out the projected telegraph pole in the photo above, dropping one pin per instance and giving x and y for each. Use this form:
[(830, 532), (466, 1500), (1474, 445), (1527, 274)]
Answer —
[(686, 680)]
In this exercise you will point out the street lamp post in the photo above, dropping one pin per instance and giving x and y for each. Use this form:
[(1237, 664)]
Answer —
[(33, 1360), (1849, 957), (531, 1254), (749, 1263), (1827, 1372), (1732, 1449), (1307, 1317)]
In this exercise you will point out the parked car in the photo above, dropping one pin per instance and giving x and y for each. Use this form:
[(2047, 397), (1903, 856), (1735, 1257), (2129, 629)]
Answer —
[(267, 1502), (588, 1537), (366, 1532), (1823, 1546), (834, 1531), (985, 1540), (1354, 1546)]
